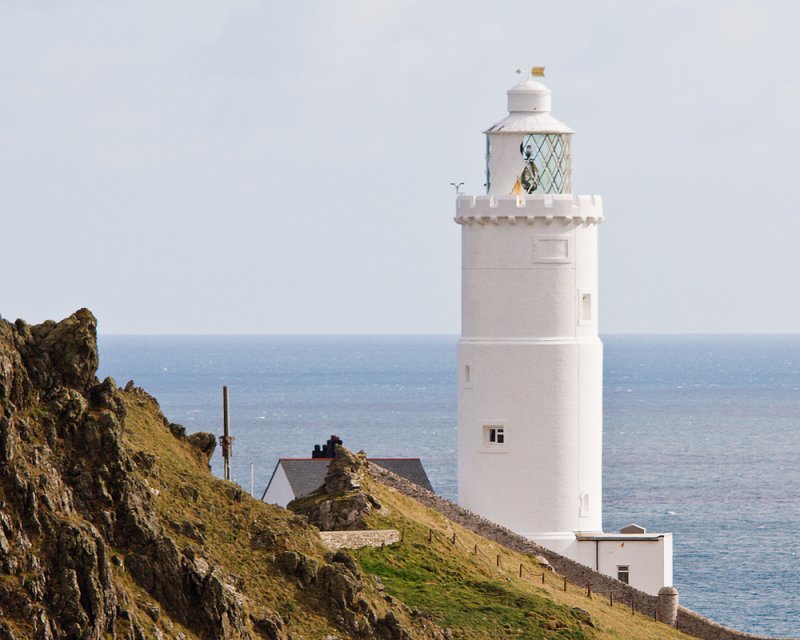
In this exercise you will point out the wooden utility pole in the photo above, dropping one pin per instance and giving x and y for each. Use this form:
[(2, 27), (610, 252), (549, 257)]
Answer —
[(227, 441)]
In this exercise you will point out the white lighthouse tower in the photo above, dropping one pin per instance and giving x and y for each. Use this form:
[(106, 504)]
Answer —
[(530, 360)]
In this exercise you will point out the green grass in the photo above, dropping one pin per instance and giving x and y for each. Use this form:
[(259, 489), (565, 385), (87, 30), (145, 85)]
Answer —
[(458, 595), (475, 597)]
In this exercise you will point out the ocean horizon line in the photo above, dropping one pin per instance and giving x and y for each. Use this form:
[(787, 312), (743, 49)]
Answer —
[(704, 334)]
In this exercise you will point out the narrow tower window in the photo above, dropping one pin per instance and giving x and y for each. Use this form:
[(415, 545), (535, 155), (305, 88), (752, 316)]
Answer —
[(586, 308), (585, 504), (488, 184), (468, 373)]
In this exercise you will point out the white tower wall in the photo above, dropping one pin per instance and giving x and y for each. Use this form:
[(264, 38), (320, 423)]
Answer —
[(529, 339)]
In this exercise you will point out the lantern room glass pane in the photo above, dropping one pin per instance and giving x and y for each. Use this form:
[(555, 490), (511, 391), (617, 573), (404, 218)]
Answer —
[(547, 166)]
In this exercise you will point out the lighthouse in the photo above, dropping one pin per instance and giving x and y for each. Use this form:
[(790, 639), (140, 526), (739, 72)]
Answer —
[(530, 361)]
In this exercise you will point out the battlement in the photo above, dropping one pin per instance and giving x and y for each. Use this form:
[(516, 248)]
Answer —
[(512, 209)]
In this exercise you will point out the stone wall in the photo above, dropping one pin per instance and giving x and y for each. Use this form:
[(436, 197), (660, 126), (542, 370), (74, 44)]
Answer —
[(577, 574), (358, 539)]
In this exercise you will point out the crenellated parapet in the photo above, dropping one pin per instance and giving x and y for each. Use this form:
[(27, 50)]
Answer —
[(563, 208)]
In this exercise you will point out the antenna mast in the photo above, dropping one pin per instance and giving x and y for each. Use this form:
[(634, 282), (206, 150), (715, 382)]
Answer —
[(227, 440)]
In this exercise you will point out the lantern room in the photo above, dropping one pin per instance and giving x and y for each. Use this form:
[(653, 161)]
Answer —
[(528, 152)]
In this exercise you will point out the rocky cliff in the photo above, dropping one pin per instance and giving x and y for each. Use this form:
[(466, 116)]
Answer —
[(111, 525)]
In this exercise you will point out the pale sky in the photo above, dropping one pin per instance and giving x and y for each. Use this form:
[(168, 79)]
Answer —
[(284, 167)]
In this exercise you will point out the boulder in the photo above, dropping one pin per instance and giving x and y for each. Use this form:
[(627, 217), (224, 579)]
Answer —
[(204, 442)]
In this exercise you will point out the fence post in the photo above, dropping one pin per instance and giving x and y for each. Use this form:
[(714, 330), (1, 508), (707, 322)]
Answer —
[(476, 550), (454, 538), (402, 534), (565, 583), (520, 569), (589, 590), (542, 577), (498, 559), (430, 536), (610, 598)]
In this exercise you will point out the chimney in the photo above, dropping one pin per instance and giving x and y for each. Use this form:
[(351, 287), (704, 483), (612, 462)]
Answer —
[(327, 450)]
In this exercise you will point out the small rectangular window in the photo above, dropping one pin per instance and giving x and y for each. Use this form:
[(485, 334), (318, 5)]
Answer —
[(497, 435), (623, 573)]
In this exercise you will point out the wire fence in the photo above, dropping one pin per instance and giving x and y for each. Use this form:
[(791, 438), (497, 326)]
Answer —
[(545, 576)]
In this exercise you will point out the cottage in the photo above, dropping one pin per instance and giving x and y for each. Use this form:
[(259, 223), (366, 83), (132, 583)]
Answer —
[(298, 477)]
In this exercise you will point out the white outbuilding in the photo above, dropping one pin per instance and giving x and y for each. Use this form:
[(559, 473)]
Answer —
[(530, 362)]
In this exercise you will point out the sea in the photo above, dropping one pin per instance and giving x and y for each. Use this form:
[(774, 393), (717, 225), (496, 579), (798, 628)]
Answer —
[(701, 435)]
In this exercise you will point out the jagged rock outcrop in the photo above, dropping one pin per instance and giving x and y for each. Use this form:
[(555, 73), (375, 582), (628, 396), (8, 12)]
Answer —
[(85, 552), (340, 504), (71, 504)]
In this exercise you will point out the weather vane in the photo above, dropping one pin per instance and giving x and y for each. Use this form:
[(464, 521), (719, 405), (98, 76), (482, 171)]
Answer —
[(457, 187), (536, 72)]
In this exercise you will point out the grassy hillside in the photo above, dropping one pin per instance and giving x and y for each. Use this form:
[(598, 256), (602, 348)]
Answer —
[(469, 593), (243, 535)]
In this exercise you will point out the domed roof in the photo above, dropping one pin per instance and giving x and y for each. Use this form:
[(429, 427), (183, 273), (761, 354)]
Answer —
[(529, 111), (528, 95)]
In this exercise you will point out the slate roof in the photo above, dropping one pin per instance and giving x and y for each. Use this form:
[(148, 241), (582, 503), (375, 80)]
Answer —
[(306, 475), (408, 468)]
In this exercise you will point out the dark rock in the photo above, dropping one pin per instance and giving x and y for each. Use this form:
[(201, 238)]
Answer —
[(342, 557), (5, 632), (222, 607), (204, 442), (269, 624), (63, 353), (194, 530), (340, 584), (136, 522), (177, 430), (393, 627), (583, 616), (80, 587), (189, 491), (264, 539), (145, 461), (341, 513), (235, 492), (288, 562), (71, 406), (105, 395), (8, 440), (345, 472), (192, 591), (152, 610)]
